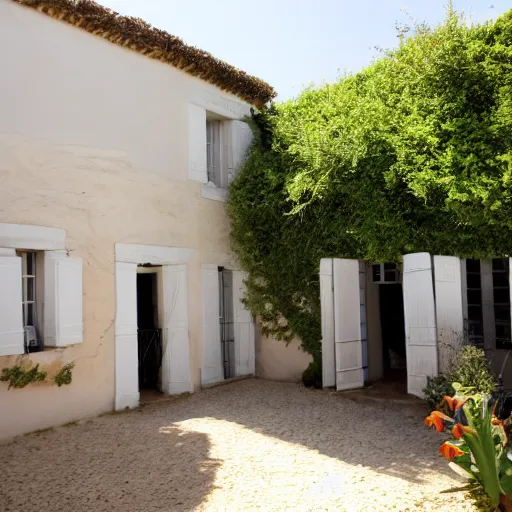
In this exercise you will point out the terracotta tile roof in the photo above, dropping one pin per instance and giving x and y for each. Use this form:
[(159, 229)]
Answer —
[(138, 35)]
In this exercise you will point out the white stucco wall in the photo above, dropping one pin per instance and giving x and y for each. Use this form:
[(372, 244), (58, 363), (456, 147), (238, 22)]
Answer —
[(93, 140)]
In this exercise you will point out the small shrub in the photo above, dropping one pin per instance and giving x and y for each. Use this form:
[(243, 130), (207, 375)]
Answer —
[(470, 370), (19, 376), (436, 389), (312, 375), (64, 376)]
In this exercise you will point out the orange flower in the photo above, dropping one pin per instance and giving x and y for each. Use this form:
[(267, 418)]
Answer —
[(437, 419), (459, 430), (454, 403), (496, 421), (449, 451)]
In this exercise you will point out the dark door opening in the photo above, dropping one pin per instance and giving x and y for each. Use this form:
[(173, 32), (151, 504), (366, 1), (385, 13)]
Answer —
[(148, 335), (227, 325), (393, 331)]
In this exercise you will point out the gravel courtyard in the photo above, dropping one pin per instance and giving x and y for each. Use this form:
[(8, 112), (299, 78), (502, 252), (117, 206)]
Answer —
[(249, 445)]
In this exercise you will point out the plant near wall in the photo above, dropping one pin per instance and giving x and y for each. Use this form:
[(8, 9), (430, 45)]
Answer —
[(20, 376), (479, 446), (64, 376), (412, 154), (470, 369)]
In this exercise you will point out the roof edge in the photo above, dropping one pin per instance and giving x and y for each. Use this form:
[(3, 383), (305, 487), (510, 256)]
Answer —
[(137, 35)]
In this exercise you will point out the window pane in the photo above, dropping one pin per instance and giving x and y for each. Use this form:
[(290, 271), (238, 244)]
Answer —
[(473, 265), (474, 297), (30, 264), (376, 272), (500, 264), (475, 313), (30, 314), (500, 279), (473, 281), (502, 313), (503, 331), (501, 296), (475, 329), (30, 288)]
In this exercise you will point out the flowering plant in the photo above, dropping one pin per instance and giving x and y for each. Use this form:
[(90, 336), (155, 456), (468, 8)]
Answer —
[(478, 444)]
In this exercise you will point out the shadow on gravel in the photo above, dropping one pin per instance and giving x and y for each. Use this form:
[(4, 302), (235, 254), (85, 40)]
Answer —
[(388, 437), (113, 463)]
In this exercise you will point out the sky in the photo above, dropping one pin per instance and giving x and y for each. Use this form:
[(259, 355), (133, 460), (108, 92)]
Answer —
[(292, 44)]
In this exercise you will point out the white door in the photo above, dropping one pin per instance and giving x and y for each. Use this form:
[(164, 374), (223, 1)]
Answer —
[(212, 370), (420, 321), (176, 352), (327, 318), (127, 362), (348, 324), (449, 311), (244, 329)]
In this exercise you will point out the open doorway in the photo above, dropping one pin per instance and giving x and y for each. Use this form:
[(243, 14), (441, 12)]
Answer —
[(227, 322), (149, 336), (392, 320)]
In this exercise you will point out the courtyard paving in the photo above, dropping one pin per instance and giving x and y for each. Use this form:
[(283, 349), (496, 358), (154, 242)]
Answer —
[(248, 445)]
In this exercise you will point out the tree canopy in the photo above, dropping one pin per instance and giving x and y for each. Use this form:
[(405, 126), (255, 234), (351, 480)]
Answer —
[(414, 153)]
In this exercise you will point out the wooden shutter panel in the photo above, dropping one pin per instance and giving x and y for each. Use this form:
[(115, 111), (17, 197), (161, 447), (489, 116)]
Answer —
[(212, 356), (420, 321), (244, 329), (176, 354), (449, 312), (63, 323), (11, 317), (327, 317), (197, 143), (126, 353), (347, 325)]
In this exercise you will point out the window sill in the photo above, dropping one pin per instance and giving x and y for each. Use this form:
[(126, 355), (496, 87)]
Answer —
[(211, 192)]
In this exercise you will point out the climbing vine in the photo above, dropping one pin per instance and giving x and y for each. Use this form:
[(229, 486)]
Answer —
[(414, 153), (19, 376)]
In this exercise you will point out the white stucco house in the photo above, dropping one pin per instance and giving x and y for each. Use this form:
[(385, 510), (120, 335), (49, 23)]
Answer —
[(117, 145)]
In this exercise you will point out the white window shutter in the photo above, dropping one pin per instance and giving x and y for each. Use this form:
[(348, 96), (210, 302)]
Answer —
[(420, 321), (11, 318), (63, 323), (240, 139), (176, 353), (244, 329), (212, 356), (197, 143)]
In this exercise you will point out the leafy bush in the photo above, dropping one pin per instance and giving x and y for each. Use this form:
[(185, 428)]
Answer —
[(470, 370), (411, 154), (312, 375), (436, 389)]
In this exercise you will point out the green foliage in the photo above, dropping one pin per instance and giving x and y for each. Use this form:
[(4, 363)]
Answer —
[(412, 154), (64, 375), (19, 376), (436, 389), (470, 370)]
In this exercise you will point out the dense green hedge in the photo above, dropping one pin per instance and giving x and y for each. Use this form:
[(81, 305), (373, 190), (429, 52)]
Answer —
[(414, 153)]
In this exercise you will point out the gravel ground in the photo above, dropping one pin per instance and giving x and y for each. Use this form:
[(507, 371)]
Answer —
[(249, 445)]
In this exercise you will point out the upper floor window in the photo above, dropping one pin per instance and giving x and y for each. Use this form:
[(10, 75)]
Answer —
[(218, 145)]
